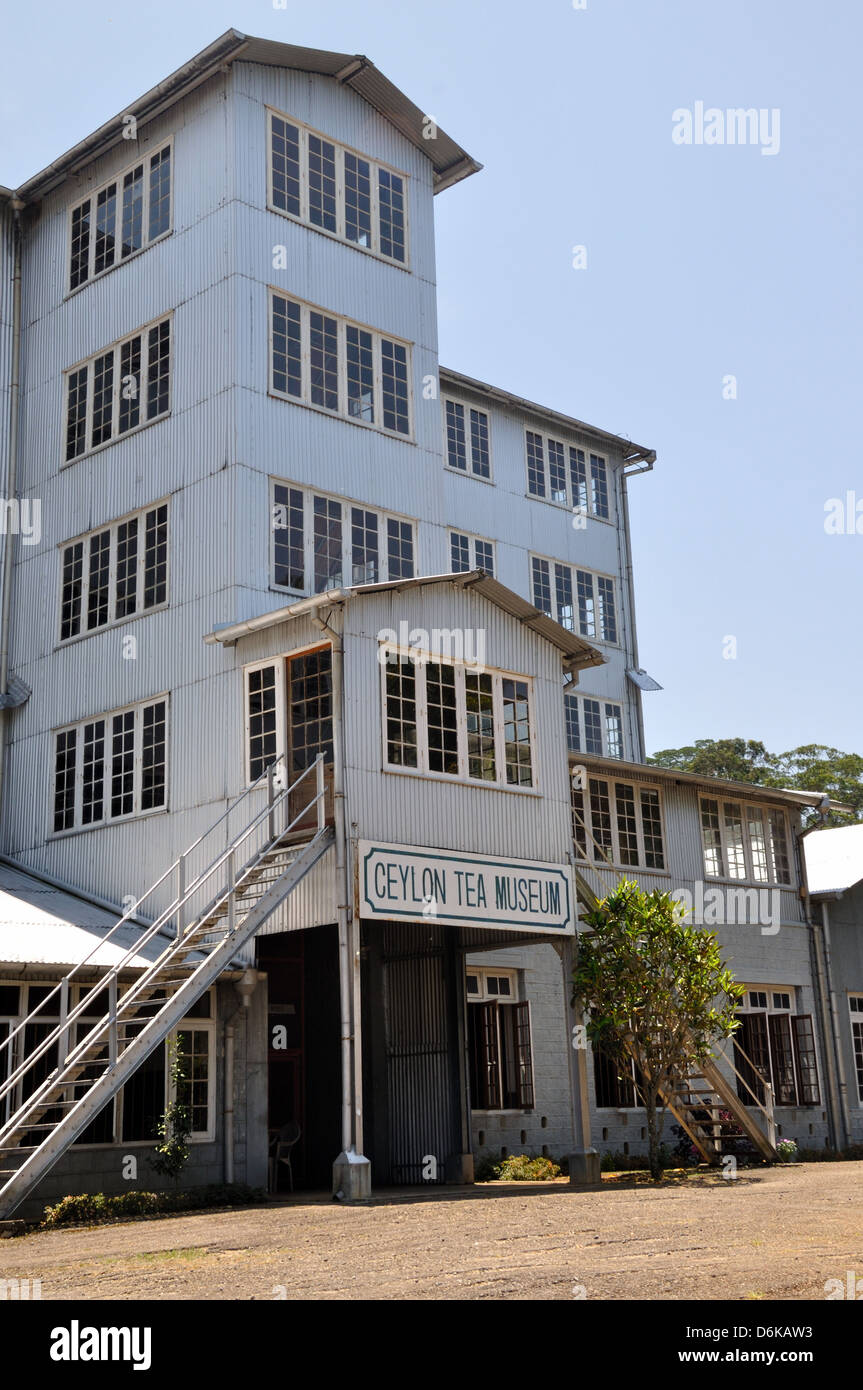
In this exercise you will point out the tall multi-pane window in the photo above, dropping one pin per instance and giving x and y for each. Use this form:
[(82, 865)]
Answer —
[(470, 552), (340, 367), (567, 474), (467, 439), (114, 573), (349, 195), (744, 841), (111, 766), (322, 542), (593, 726), (619, 823), (855, 1006), (775, 1045), (119, 390), (499, 1041), (123, 217), (580, 601), (447, 717)]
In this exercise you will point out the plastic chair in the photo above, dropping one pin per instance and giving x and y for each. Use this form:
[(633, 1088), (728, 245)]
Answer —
[(280, 1152)]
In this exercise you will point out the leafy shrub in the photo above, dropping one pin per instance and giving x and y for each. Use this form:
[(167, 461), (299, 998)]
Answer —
[(516, 1168), (850, 1155), (88, 1209)]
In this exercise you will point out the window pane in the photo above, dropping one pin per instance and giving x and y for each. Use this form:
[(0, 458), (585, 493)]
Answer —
[(127, 568), (78, 268), (613, 731), (779, 847), (480, 726), (442, 730), (627, 832), (153, 756), (479, 447), (598, 486), (160, 193), (535, 465), (123, 763), (322, 183), (64, 780), (516, 733), (394, 378), (579, 831), (76, 414), (485, 556), (402, 747), (99, 576), (358, 200), (607, 614), (287, 358), (327, 539), (285, 155), (578, 479), (133, 211), (288, 542), (310, 703), (324, 361), (360, 373), (651, 827), (586, 610), (459, 553), (94, 772), (156, 556), (757, 843), (261, 686), (455, 435), (556, 471), (400, 549), (130, 384), (734, 840), (106, 228), (600, 814), (541, 586), (158, 367), (563, 596), (573, 733), (193, 1055), (391, 203), (711, 838), (103, 392), (73, 579), (364, 546)]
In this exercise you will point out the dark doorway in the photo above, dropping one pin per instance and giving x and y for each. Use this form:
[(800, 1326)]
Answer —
[(303, 1048)]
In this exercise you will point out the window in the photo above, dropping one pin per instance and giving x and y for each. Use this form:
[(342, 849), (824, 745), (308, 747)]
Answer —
[(445, 717), (467, 439), (470, 552), (289, 707), (110, 767), (322, 542), (622, 819), (742, 841), (114, 573), (855, 1005), (565, 474), (122, 389), (121, 218), (775, 1045), (145, 1095), (499, 1041), (337, 190), (593, 726), (323, 361), (580, 601)]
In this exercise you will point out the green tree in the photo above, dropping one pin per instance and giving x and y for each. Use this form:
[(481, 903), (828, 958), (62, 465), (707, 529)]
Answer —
[(738, 759), (655, 991)]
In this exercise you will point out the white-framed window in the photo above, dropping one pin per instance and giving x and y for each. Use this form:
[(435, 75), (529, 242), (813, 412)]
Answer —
[(112, 766), (620, 822), (567, 474), (342, 368), (114, 573), (337, 190), (743, 841), (593, 726), (322, 542), (123, 388), (443, 718), (289, 700), (467, 552), (578, 599), (126, 215), (499, 1040), (855, 1007), (468, 438), (776, 1044)]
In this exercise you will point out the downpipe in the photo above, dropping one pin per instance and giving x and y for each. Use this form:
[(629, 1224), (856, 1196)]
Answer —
[(11, 481)]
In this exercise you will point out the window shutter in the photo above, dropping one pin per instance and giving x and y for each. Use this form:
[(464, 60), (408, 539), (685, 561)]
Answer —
[(807, 1067), (751, 1055), (782, 1054), (485, 1061), (524, 1056)]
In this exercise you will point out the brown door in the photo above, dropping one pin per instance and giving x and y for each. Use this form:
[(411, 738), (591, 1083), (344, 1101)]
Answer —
[(310, 731)]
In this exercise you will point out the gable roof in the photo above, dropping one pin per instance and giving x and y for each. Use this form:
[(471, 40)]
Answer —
[(834, 859), (576, 653), (449, 161)]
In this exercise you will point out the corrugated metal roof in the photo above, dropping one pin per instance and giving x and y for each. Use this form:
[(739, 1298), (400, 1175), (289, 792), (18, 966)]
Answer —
[(750, 790), (41, 924), (577, 654), (631, 452), (449, 161), (834, 859)]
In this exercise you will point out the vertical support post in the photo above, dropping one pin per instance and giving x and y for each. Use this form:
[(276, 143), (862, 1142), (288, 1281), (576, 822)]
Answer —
[(271, 796), (63, 1050), (232, 899), (112, 1018), (584, 1167), (319, 789), (181, 891), (771, 1118)]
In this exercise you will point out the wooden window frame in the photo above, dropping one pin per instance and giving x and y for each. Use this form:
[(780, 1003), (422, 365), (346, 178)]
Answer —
[(140, 611), (574, 572), (469, 470), (584, 842), (88, 365), (346, 503), (800, 1031), (488, 1007), (765, 810), (92, 197), (596, 465), (570, 699), (137, 707), (473, 562)]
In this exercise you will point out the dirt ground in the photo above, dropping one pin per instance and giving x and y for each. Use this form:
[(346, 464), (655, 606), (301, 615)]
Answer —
[(770, 1234)]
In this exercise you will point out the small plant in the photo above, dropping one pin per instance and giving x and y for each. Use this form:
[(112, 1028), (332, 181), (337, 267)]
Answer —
[(787, 1150), (89, 1209), (516, 1168), (172, 1153)]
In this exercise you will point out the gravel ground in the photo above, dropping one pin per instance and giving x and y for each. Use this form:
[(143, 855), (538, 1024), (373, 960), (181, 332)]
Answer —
[(770, 1234)]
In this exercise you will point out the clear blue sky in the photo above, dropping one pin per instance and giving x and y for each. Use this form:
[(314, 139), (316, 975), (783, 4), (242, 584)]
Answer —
[(703, 261)]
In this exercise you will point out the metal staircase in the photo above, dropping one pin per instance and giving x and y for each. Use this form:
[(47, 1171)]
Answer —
[(60, 1083)]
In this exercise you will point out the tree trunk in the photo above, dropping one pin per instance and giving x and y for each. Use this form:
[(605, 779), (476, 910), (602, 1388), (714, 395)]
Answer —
[(654, 1158)]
